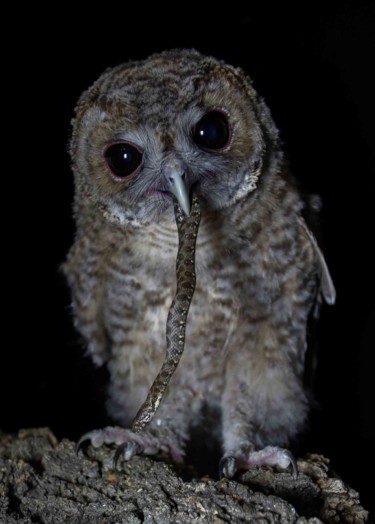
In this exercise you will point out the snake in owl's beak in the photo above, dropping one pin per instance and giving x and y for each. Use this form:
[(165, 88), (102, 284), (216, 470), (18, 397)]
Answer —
[(178, 187), (187, 227), (187, 217)]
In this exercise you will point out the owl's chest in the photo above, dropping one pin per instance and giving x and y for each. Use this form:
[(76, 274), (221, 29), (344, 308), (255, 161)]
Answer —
[(151, 262), (151, 257)]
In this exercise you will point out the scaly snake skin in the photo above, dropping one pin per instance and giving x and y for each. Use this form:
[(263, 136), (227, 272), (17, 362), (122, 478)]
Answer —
[(187, 227)]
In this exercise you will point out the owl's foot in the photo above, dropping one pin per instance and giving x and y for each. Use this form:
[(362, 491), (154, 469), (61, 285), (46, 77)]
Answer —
[(147, 442), (270, 455)]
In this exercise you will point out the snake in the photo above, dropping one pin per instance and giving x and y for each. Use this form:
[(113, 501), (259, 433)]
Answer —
[(187, 227)]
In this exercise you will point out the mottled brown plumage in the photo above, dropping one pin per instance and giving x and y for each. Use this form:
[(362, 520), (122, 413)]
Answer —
[(259, 269)]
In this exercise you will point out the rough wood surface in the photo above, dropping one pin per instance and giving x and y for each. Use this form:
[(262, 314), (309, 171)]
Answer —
[(44, 481)]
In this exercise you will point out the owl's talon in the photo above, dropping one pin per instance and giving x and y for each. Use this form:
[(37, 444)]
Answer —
[(227, 467), (117, 455), (129, 443), (85, 437), (128, 450), (270, 455), (292, 462), (79, 445), (132, 448)]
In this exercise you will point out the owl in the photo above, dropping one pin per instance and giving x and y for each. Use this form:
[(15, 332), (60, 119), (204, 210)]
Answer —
[(175, 126)]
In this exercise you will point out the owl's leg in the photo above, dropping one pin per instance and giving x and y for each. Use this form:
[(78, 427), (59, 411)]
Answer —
[(263, 404)]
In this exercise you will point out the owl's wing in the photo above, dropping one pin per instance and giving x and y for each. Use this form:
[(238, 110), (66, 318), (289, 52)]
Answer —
[(327, 288)]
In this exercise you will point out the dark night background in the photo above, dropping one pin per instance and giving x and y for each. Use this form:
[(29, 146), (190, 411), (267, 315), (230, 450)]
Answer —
[(314, 65)]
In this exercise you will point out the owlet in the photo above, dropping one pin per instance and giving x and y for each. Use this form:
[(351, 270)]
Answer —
[(161, 133)]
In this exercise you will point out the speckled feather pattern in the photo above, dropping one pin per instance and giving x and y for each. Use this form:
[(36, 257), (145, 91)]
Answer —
[(258, 272)]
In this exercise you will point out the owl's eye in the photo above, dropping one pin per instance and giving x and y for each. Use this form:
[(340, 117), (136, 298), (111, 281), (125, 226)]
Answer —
[(123, 159), (212, 132)]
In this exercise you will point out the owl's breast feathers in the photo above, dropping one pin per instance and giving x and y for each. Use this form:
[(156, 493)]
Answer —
[(254, 260)]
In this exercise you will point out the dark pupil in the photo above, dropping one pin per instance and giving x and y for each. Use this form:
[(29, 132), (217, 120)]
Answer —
[(212, 131), (123, 159)]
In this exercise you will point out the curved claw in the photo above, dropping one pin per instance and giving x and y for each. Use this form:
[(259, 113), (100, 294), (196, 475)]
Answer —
[(118, 454), (293, 463), (81, 440), (227, 467), (128, 449)]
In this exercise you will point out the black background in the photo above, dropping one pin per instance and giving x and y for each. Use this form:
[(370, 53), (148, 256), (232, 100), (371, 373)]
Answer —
[(314, 65)]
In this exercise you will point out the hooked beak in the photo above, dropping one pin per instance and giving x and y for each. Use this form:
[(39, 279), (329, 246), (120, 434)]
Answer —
[(177, 186)]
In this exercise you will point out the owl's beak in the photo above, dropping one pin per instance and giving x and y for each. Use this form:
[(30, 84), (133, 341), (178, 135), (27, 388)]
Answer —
[(178, 187)]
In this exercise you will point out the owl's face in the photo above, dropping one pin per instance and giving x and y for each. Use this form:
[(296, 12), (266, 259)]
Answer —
[(176, 123)]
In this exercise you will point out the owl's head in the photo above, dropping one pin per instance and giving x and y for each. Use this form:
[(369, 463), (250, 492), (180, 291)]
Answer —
[(176, 123)]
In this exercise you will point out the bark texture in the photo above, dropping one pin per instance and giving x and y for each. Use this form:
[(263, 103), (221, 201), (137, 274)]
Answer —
[(44, 481)]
